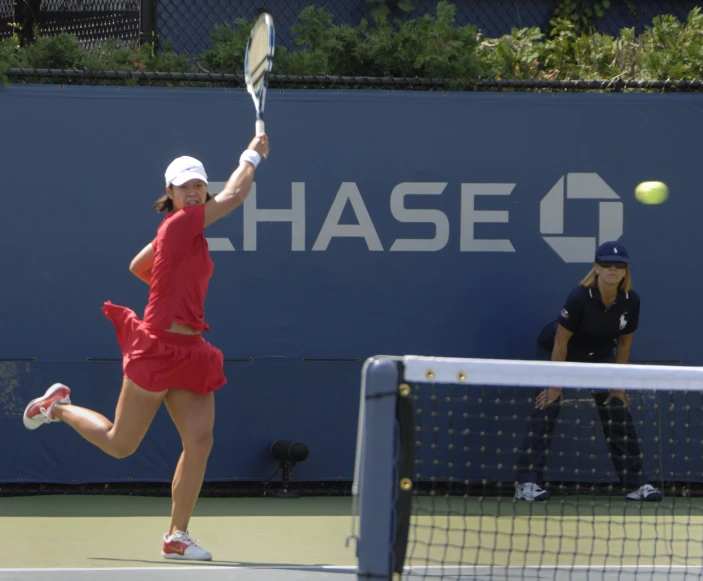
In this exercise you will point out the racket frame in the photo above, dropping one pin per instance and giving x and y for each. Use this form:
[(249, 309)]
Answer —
[(259, 97)]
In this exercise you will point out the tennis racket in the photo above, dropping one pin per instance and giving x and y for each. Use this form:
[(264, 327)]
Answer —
[(258, 61)]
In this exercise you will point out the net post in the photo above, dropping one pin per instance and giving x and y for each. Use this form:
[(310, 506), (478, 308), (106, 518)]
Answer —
[(376, 461)]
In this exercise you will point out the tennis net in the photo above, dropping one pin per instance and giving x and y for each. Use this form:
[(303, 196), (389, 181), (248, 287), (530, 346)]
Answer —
[(454, 462)]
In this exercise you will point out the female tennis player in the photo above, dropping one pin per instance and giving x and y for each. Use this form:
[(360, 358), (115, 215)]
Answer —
[(165, 357), (595, 325)]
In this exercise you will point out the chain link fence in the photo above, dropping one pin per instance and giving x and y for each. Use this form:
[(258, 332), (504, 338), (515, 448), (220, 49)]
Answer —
[(187, 28), (188, 24), (91, 21)]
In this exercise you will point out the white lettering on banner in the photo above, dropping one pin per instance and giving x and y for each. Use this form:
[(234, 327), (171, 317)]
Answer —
[(419, 216), (295, 215), (364, 227), (219, 244), (570, 249), (471, 216)]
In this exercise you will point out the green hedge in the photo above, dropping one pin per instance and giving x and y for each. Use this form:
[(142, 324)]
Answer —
[(427, 47)]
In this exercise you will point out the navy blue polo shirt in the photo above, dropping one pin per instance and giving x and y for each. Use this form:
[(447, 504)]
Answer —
[(595, 329)]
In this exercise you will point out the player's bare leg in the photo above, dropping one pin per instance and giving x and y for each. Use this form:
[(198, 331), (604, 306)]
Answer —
[(136, 408), (194, 417)]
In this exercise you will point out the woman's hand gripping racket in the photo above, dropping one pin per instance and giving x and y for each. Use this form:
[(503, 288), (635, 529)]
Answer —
[(258, 61)]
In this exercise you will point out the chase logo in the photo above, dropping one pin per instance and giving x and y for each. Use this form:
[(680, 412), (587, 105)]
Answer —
[(575, 186)]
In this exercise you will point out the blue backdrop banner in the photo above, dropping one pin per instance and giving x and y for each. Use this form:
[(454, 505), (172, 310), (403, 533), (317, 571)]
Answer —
[(382, 223)]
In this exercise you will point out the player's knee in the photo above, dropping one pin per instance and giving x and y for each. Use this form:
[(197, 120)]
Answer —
[(122, 449), (200, 442), (123, 452)]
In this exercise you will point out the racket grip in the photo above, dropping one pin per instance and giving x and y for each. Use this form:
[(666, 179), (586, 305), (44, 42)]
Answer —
[(260, 127)]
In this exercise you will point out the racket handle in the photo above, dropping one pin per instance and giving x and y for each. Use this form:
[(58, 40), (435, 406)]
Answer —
[(260, 127)]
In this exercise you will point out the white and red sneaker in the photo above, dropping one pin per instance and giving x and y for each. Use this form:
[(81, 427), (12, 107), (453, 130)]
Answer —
[(40, 410), (180, 546)]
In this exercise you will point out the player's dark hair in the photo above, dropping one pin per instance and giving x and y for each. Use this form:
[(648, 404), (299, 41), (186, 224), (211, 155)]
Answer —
[(165, 204)]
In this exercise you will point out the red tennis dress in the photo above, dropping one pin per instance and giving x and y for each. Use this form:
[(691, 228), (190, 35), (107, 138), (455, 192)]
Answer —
[(152, 357)]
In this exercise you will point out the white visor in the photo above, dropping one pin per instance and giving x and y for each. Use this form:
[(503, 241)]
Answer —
[(183, 169)]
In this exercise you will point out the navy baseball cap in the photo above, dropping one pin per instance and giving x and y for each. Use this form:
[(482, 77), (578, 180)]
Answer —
[(612, 252)]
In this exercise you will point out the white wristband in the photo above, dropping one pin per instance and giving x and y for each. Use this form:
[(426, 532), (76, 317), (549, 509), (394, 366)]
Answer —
[(250, 156)]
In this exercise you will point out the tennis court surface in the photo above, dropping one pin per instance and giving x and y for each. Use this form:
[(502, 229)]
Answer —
[(213, 573), (115, 538), (217, 573), (429, 500), (108, 538)]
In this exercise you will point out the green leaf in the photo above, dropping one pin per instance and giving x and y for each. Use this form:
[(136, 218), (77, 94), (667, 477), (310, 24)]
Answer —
[(407, 6), (431, 45)]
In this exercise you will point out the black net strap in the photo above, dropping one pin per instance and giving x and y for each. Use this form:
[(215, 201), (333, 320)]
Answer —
[(404, 480)]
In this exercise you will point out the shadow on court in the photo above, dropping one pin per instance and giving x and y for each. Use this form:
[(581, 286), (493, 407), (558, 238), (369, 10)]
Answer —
[(107, 561)]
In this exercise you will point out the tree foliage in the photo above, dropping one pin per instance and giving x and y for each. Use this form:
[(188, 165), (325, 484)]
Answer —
[(430, 46)]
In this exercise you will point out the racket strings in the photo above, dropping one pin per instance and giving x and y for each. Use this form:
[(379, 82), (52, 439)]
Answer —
[(258, 57)]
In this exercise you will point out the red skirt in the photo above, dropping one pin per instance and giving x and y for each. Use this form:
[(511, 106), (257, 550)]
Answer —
[(158, 360)]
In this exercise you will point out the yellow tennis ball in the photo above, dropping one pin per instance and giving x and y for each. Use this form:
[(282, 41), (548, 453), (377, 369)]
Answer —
[(652, 192)]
